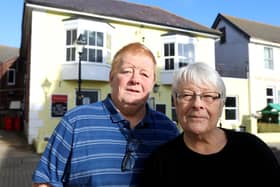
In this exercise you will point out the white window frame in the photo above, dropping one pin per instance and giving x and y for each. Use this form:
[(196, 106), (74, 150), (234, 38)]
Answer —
[(268, 58), (270, 97), (82, 26), (182, 44), (235, 108)]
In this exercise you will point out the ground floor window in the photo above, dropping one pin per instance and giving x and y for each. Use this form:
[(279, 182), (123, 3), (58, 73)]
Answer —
[(231, 108), (89, 96)]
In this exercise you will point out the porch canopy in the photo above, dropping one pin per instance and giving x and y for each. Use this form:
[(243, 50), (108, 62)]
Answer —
[(271, 113)]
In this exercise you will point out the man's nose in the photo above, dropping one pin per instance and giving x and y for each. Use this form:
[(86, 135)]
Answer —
[(135, 77)]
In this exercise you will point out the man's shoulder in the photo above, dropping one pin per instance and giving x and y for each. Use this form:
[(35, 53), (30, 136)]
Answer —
[(93, 108)]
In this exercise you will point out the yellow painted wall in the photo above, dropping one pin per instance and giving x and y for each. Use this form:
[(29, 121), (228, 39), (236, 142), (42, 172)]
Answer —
[(239, 88), (48, 55)]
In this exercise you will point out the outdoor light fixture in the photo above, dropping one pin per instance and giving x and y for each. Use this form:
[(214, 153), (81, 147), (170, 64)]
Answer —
[(80, 42), (46, 86)]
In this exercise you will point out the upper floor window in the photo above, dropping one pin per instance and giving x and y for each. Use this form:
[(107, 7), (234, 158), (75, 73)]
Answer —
[(11, 76), (268, 58), (169, 52), (185, 54), (93, 51), (223, 37), (231, 108), (98, 40), (178, 51), (269, 95), (71, 37)]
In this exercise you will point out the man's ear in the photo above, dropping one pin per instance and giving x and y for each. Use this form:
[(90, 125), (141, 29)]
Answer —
[(110, 77)]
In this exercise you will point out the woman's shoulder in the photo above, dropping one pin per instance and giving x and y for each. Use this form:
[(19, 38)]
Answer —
[(243, 137), (170, 146)]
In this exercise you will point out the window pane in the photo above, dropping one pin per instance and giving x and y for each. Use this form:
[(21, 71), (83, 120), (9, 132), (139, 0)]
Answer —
[(169, 63), (68, 53), (230, 114), (99, 55), (92, 38), (231, 108), (100, 39), (166, 51), (172, 49), (269, 100), (84, 54), (180, 50), (74, 36), (169, 49), (269, 92), (73, 51), (68, 37), (268, 58), (182, 62), (10, 76), (91, 55), (230, 102), (86, 36)]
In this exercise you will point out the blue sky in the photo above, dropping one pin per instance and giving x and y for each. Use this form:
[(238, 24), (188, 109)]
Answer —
[(201, 11)]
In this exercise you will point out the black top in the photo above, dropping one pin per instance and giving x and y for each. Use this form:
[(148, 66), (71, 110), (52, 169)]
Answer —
[(245, 159)]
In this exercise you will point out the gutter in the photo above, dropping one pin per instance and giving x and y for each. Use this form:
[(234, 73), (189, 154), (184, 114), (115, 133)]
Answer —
[(123, 20)]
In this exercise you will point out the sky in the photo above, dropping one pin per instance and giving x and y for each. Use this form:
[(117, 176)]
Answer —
[(202, 12)]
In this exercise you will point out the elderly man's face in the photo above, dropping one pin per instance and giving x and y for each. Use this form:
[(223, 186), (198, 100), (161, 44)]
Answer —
[(133, 80)]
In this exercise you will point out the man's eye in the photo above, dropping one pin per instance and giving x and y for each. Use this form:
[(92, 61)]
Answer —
[(146, 75), (126, 71)]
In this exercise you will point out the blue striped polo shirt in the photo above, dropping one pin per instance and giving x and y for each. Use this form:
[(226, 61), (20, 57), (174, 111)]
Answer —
[(88, 145)]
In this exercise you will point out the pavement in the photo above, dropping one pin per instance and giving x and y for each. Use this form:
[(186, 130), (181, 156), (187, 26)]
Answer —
[(18, 159)]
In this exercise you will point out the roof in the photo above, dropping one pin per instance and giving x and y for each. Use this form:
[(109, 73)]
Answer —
[(271, 108), (126, 10), (7, 53), (252, 29)]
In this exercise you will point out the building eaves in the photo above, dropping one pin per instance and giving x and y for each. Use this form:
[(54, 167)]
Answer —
[(7, 52), (126, 10), (255, 29)]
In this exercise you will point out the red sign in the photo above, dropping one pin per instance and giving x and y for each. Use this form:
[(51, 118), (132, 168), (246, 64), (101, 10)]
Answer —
[(59, 105)]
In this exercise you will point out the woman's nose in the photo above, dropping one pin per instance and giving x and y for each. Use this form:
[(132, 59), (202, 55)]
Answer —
[(197, 101)]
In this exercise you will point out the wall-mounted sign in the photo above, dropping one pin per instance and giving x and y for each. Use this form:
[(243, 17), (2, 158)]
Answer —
[(59, 105)]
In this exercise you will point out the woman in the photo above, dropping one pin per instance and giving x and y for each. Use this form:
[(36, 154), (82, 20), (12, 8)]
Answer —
[(205, 152)]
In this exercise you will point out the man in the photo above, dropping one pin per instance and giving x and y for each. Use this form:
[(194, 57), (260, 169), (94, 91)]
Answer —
[(106, 143)]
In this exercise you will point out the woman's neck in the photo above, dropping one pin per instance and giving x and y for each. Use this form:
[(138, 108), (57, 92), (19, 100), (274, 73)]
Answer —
[(209, 143)]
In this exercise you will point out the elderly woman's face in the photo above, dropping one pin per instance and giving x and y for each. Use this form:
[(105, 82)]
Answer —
[(198, 114)]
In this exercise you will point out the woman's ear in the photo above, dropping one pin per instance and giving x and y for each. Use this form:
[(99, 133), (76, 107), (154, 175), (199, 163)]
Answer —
[(174, 100)]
